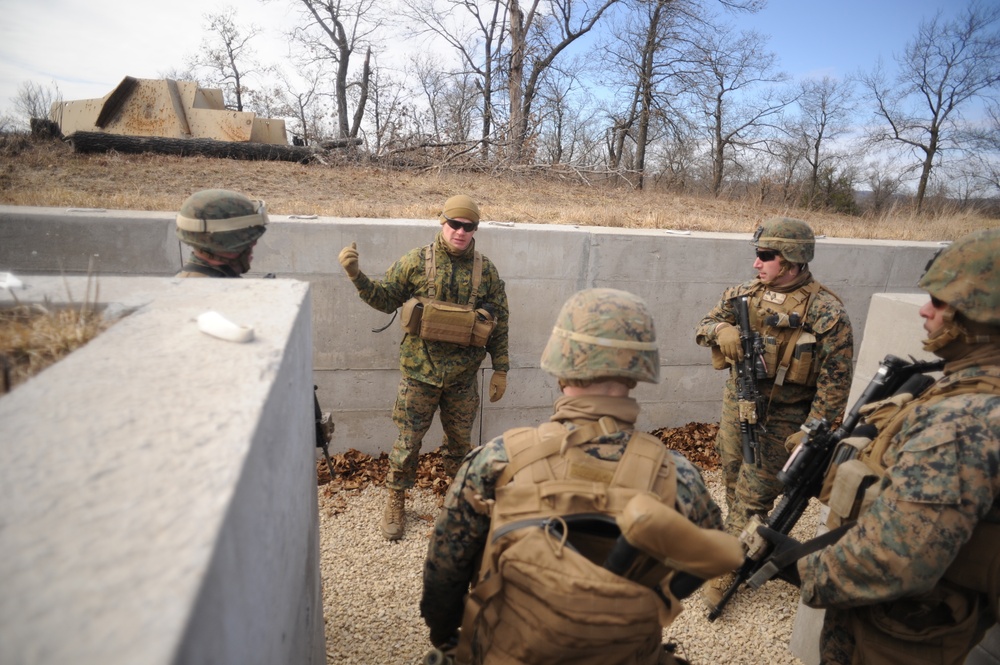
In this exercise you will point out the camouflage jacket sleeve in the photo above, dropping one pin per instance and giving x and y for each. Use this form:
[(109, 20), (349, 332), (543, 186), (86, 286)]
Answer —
[(402, 281), (494, 293), (459, 537), (722, 313), (835, 356), (693, 498), (941, 482)]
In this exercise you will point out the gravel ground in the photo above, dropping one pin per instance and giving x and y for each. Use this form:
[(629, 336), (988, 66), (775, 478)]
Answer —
[(371, 590)]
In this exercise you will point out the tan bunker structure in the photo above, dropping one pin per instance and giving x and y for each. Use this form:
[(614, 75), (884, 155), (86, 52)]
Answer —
[(168, 109)]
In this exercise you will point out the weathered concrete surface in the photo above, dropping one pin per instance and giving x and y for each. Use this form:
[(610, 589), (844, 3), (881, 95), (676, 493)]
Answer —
[(157, 486), (681, 275)]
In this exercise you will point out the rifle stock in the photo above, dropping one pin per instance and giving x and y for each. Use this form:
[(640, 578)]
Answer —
[(322, 436), (806, 468)]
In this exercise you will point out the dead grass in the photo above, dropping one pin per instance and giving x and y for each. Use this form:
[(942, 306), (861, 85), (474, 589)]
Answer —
[(34, 337), (48, 173)]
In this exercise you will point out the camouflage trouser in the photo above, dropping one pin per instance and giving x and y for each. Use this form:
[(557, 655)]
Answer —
[(751, 490), (416, 403), (836, 642)]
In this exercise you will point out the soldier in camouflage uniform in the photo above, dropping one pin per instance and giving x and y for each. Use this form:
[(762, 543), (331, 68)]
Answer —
[(916, 579), (221, 227), (436, 374), (809, 367), (602, 344)]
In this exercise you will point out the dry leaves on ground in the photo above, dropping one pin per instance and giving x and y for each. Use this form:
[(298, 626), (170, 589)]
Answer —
[(356, 470)]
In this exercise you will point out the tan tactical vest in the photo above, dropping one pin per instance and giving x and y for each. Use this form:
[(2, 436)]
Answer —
[(543, 597), (789, 347), (439, 321), (905, 630)]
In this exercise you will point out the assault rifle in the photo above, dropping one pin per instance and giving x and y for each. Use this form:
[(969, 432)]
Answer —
[(805, 470), (324, 432), (749, 371)]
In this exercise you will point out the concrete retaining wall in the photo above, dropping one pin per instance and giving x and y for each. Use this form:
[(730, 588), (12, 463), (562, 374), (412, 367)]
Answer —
[(681, 275), (158, 486)]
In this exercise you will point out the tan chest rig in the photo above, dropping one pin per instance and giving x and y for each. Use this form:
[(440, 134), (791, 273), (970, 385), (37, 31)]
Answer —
[(439, 321), (541, 598), (789, 343), (852, 486)]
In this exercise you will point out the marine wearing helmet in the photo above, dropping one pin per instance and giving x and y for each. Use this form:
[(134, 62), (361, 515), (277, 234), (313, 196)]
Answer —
[(222, 227), (603, 334), (792, 238), (964, 278)]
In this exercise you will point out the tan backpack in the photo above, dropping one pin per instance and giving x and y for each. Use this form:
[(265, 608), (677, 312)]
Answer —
[(541, 598)]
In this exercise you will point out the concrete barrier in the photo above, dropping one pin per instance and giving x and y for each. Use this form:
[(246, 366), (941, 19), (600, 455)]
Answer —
[(682, 275), (158, 486)]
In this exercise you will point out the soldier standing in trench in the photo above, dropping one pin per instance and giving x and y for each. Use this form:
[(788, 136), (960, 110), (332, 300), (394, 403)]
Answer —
[(436, 373), (809, 347)]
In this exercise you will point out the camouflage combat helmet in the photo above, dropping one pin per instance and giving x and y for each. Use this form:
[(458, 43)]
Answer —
[(219, 220), (603, 333), (965, 276), (792, 238)]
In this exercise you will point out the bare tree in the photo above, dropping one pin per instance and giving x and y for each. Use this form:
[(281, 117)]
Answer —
[(34, 100), (826, 107), (947, 66), (335, 31), (226, 55), (538, 35), (476, 31), (727, 73)]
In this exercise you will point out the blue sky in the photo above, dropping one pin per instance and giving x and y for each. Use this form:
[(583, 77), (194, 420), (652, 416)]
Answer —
[(814, 38), (87, 46)]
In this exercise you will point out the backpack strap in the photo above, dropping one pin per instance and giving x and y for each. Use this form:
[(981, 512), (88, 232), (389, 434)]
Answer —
[(430, 269), (430, 273)]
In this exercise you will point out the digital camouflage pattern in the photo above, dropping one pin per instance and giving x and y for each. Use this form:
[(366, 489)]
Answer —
[(941, 481), (751, 490), (416, 402), (791, 237), (603, 333), (463, 524), (212, 206), (966, 275), (448, 370)]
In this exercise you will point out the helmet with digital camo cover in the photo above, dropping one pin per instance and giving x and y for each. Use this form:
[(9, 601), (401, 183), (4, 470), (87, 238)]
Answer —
[(603, 334), (221, 221), (965, 275), (792, 238)]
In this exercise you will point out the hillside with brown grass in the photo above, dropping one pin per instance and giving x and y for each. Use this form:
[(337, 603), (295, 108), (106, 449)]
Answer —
[(49, 173)]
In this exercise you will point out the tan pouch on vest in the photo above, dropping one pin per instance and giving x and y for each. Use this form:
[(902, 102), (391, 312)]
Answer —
[(447, 322), (853, 490), (937, 628), (800, 370), (411, 314), (482, 328)]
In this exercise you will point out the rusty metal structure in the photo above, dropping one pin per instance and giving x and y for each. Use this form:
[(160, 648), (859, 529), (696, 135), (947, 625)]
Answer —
[(166, 108)]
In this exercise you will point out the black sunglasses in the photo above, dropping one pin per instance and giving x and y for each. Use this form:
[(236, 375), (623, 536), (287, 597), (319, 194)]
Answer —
[(766, 255), (468, 227)]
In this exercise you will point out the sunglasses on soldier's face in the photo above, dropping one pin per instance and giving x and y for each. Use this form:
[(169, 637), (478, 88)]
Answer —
[(766, 255), (468, 227)]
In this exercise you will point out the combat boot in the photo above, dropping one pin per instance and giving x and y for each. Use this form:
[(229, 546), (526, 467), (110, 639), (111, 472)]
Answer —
[(712, 592), (393, 519)]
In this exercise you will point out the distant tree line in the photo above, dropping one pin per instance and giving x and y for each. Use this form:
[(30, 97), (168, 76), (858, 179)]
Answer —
[(647, 93)]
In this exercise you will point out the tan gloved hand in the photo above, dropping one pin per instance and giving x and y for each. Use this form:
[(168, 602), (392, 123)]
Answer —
[(498, 385), (793, 440), (349, 260), (728, 338)]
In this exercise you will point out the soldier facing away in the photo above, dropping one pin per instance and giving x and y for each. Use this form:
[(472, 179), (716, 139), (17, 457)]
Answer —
[(513, 502), (809, 347), (453, 284), (917, 578), (221, 227)]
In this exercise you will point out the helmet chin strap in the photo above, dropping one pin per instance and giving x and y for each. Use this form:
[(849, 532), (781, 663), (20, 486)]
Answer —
[(950, 332)]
